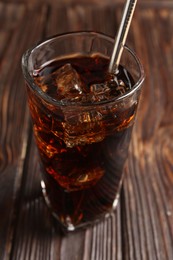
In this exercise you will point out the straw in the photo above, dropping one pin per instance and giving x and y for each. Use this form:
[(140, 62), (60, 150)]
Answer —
[(121, 36)]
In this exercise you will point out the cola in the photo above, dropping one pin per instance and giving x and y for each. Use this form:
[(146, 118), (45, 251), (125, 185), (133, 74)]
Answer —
[(82, 131)]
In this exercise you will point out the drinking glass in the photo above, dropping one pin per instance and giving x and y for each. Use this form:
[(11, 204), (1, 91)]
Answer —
[(83, 146)]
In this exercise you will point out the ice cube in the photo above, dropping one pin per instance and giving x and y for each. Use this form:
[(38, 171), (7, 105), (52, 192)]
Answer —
[(113, 87), (99, 92), (82, 127), (69, 83), (121, 88), (119, 83)]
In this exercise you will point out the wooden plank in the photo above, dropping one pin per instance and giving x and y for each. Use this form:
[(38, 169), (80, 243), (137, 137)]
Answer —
[(143, 3), (77, 18), (98, 3), (148, 177), (13, 113)]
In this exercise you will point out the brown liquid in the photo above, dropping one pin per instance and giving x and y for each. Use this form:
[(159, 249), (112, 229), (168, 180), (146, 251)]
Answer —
[(82, 152)]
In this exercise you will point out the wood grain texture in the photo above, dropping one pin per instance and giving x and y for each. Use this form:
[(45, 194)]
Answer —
[(54, 3), (13, 113), (142, 226)]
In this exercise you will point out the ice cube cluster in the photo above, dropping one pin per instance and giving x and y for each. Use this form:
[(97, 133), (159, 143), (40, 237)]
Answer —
[(71, 88), (80, 125)]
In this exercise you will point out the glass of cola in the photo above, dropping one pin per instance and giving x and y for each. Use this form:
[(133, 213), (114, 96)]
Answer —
[(82, 122)]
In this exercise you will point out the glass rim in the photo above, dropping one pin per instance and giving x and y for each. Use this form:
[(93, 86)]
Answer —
[(55, 102)]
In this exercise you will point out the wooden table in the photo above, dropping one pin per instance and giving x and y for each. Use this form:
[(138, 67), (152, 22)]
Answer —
[(142, 226)]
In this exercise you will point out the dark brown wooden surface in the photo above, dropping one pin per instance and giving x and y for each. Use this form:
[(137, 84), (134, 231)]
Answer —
[(142, 226)]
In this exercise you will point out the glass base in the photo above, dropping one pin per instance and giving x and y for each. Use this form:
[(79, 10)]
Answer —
[(69, 225)]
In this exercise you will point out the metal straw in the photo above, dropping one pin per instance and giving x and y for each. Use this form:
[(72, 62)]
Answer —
[(122, 35)]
